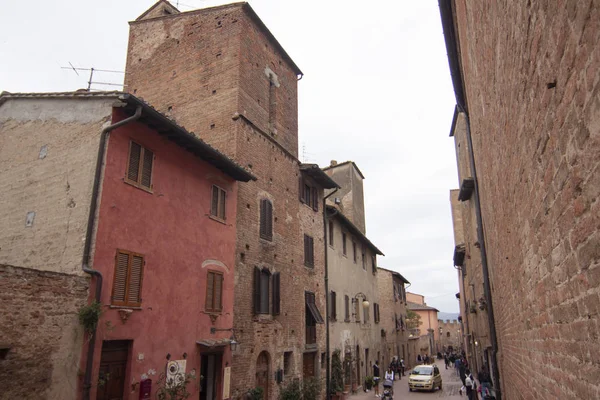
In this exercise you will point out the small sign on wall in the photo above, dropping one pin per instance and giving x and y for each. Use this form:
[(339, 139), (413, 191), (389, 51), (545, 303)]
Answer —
[(226, 382)]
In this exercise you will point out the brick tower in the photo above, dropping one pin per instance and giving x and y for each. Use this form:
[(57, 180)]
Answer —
[(220, 73)]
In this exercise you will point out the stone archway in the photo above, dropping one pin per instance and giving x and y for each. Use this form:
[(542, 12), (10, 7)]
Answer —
[(263, 373)]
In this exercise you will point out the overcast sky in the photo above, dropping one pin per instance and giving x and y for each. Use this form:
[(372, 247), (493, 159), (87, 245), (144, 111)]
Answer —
[(376, 90)]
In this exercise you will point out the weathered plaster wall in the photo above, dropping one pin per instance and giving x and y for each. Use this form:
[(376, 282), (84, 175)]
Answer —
[(48, 152), (171, 227)]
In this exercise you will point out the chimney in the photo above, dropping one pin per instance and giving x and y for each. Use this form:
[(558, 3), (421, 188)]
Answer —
[(332, 163)]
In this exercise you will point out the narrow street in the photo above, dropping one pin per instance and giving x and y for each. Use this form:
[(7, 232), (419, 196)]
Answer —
[(450, 384)]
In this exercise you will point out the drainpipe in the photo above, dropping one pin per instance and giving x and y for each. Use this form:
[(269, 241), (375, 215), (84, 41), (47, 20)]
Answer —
[(484, 264), (85, 263), (327, 350)]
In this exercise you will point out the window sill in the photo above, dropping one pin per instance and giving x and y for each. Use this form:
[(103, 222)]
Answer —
[(138, 186), (217, 219), (113, 307)]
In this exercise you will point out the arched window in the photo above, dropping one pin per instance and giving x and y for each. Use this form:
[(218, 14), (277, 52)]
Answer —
[(447, 334), (262, 373)]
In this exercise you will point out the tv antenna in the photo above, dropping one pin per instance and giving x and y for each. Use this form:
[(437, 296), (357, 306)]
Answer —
[(91, 79)]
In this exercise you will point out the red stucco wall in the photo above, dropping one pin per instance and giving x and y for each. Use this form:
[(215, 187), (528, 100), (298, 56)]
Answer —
[(172, 229)]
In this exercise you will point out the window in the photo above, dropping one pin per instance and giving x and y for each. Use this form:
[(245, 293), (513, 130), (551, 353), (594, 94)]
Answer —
[(313, 317), (139, 166), (332, 306), (354, 251), (376, 312), (309, 255), (356, 310), (214, 292), (366, 315), (447, 334), (266, 219), (374, 263), (346, 309), (262, 289), (331, 233), (363, 258), (127, 283), (309, 195), (217, 206), (344, 247)]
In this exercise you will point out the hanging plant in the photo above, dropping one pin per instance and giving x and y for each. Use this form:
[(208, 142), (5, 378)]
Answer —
[(89, 316)]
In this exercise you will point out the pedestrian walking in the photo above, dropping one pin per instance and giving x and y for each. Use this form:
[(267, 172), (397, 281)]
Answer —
[(402, 366), (471, 386), (376, 378), (446, 361)]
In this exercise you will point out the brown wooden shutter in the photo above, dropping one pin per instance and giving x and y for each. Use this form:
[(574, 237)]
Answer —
[(315, 198), (333, 306), (214, 206), (305, 250), (120, 279), (312, 250), (135, 155), (210, 288), (346, 308), (276, 293), (146, 180), (256, 294), (134, 296), (218, 296), (222, 204), (269, 223), (263, 218)]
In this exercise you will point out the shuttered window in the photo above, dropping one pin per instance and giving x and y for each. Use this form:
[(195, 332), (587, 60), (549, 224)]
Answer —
[(354, 251), (331, 233), (217, 205), (376, 312), (356, 310), (346, 308), (139, 166), (266, 219), (333, 306), (309, 195), (364, 258), (309, 255), (366, 316), (344, 246), (127, 283), (374, 263), (276, 293), (262, 279), (214, 292)]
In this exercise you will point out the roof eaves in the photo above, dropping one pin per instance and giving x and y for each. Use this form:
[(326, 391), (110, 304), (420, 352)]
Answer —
[(319, 176), (452, 49), (345, 163), (354, 229), (394, 273)]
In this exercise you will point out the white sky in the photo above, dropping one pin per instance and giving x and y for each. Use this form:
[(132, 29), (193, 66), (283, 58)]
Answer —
[(376, 90)]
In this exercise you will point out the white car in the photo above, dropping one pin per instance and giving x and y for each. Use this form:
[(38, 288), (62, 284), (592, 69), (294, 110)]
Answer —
[(424, 377)]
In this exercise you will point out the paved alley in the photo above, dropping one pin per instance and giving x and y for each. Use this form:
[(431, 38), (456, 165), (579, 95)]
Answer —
[(450, 384)]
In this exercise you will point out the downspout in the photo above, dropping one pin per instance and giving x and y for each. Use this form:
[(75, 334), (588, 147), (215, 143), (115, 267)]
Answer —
[(327, 349), (484, 264), (85, 263)]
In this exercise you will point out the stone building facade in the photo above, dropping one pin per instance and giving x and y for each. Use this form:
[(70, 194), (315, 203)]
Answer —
[(392, 303), (354, 317), (450, 335), (526, 77), (428, 329), (221, 73)]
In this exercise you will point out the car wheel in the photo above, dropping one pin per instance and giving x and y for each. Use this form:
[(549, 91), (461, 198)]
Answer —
[(410, 389), (440, 386)]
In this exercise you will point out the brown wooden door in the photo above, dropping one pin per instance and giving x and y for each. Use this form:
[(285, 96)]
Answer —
[(262, 373), (210, 368), (308, 367), (113, 365)]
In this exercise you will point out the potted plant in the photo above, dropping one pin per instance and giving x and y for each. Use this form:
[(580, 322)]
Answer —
[(369, 381), (337, 376)]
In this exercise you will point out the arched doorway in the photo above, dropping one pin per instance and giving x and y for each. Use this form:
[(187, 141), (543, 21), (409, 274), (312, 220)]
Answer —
[(262, 373)]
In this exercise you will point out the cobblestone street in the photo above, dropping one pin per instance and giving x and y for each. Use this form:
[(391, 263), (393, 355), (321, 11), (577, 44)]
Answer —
[(450, 383)]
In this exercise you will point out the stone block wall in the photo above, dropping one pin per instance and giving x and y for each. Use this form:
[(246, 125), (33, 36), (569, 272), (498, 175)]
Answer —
[(38, 320), (532, 80)]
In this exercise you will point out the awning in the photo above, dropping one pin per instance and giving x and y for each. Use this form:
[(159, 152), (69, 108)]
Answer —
[(214, 342), (315, 312)]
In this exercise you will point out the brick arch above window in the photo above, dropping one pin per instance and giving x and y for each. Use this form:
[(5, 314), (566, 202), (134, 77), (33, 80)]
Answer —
[(214, 263)]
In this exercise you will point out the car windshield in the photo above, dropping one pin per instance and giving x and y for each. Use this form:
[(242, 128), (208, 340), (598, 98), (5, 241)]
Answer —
[(422, 371)]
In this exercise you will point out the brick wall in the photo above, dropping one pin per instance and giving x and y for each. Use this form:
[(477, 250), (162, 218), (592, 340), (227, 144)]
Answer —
[(38, 319), (531, 72)]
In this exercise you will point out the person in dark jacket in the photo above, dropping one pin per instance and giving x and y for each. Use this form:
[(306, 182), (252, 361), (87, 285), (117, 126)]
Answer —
[(376, 377)]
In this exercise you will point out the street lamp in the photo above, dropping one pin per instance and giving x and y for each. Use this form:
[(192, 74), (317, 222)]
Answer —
[(233, 343)]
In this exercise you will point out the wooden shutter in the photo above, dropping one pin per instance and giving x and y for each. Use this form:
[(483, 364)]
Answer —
[(276, 294), (333, 306), (266, 219), (120, 279), (146, 179), (357, 310), (210, 290), (269, 223), (218, 295), (134, 297), (223, 195), (256, 290), (344, 246), (346, 308), (315, 198), (214, 206), (135, 156)]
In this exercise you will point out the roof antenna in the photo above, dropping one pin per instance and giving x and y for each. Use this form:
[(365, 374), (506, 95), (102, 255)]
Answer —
[(91, 79)]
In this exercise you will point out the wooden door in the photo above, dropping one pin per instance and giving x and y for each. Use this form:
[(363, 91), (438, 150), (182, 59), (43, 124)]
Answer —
[(113, 365), (358, 381), (262, 373), (308, 365)]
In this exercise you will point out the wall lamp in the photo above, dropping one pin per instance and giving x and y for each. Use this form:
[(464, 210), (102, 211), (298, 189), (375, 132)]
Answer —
[(232, 342)]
